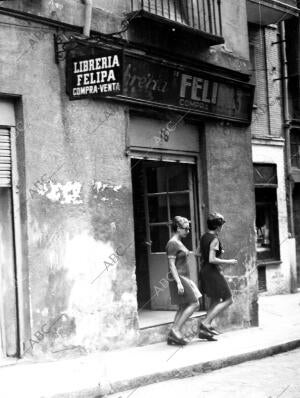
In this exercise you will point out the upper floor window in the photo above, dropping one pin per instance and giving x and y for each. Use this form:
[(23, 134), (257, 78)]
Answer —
[(295, 148)]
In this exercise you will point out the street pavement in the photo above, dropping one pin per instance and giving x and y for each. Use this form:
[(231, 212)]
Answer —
[(277, 376), (113, 372)]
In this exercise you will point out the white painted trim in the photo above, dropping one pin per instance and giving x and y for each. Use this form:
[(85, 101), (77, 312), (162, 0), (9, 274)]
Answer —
[(17, 239), (268, 141)]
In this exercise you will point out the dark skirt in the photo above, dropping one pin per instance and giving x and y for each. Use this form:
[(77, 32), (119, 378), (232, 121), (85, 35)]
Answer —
[(213, 283), (191, 292)]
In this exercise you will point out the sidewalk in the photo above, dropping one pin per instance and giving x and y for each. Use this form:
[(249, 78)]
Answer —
[(116, 371)]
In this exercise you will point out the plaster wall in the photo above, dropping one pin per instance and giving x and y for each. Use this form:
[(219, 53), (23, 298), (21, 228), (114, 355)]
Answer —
[(77, 197), (278, 276), (77, 204), (230, 192), (107, 17)]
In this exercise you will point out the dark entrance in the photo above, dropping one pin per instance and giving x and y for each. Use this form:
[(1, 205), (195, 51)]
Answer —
[(161, 190)]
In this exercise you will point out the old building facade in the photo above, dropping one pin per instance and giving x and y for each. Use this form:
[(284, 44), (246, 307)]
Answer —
[(104, 138), (268, 43)]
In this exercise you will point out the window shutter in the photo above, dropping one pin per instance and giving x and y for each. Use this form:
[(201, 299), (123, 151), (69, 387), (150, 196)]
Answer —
[(5, 158)]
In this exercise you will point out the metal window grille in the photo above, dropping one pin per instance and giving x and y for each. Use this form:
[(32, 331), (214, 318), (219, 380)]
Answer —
[(204, 15)]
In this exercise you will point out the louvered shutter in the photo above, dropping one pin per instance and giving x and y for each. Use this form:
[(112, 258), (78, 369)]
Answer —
[(5, 158)]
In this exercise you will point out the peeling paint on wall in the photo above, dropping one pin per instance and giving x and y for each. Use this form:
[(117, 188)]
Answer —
[(68, 193), (100, 186)]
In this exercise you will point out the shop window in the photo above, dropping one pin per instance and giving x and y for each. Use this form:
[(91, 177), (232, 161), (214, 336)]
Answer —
[(267, 238), (295, 148)]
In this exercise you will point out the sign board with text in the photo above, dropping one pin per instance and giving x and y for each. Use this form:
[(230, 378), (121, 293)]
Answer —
[(99, 75), (137, 79)]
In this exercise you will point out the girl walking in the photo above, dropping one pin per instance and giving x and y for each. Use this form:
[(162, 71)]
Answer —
[(183, 290), (213, 283)]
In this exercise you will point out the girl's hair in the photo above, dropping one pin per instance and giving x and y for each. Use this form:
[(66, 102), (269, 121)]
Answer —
[(215, 220), (178, 222)]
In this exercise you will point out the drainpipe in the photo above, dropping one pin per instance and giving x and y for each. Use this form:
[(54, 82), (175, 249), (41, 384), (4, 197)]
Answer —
[(88, 17), (289, 184), (286, 122)]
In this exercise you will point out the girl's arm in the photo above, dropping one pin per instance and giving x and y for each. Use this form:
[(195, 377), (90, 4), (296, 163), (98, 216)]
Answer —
[(213, 259)]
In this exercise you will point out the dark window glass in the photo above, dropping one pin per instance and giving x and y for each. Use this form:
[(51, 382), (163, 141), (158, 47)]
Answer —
[(180, 205), (295, 148), (158, 211), (159, 236), (267, 240), (265, 174), (156, 179), (178, 178)]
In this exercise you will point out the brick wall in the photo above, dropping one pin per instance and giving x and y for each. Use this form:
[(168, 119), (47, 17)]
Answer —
[(267, 115)]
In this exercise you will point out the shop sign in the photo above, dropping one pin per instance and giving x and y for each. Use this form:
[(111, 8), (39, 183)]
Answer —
[(198, 93), (142, 80), (99, 75)]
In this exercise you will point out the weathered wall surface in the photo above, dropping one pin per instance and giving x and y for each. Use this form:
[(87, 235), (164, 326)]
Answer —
[(230, 192), (77, 200)]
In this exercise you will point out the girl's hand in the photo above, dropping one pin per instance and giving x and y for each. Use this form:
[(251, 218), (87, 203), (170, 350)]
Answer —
[(180, 289), (233, 262)]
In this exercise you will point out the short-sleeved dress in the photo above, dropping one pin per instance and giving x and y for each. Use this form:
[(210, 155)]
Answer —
[(212, 282), (176, 249)]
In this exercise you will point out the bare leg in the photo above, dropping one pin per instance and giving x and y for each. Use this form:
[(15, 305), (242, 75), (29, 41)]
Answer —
[(177, 317), (188, 311), (209, 311), (179, 313), (216, 309)]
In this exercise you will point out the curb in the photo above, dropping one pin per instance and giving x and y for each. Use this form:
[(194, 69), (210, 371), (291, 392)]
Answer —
[(181, 373)]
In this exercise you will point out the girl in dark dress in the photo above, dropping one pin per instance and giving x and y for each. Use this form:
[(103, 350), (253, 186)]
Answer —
[(213, 283), (183, 290)]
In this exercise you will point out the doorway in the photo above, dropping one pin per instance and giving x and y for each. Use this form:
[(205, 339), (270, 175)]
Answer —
[(161, 190)]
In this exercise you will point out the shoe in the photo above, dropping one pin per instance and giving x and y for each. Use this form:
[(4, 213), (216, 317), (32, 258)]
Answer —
[(214, 331), (174, 338), (209, 329), (206, 336), (173, 341), (205, 333), (205, 328)]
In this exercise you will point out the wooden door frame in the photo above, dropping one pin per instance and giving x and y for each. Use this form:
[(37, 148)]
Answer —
[(199, 184)]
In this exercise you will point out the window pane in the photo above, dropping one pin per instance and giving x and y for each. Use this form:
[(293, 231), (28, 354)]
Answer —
[(156, 179), (267, 239), (265, 174), (178, 178), (263, 243), (159, 236), (180, 205), (158, 211)]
